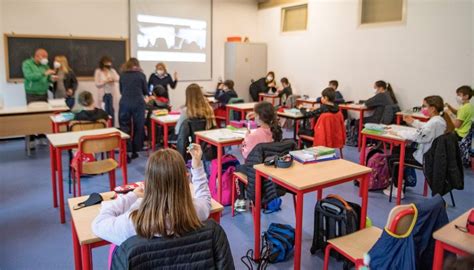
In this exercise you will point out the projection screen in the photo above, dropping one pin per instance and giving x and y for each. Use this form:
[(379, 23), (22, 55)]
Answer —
[(176, 32)]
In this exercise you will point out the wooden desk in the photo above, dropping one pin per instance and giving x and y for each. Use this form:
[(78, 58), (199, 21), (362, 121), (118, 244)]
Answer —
[(361, 108), (392, 140), (209, 94), (263, 96), (301, 179), (453, 240), (211, 100), (220, 138), (294, 116), (243, 108), (84, 240), (165, 121), (415, 115), (69, 140), (302, 101)]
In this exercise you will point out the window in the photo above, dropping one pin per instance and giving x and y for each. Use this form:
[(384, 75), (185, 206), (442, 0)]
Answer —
[(294, 18), (382, 11)]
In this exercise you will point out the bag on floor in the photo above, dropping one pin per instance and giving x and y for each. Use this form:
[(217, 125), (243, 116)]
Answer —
[(410, 177), (352, 133), (379, 178), (333, 217), (229, 162)]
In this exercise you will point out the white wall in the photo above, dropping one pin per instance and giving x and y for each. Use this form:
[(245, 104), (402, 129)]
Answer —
[(431, 54), (109, 18)]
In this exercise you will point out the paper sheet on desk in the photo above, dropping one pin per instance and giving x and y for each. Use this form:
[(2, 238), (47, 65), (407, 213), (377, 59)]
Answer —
[(234, 134)]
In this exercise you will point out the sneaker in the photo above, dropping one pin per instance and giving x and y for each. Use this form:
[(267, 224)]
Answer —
[(394, 192), (240, 205), (43, 141), (32, 144)]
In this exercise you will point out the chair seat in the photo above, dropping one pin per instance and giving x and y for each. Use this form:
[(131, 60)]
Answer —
[(242, 177), (358, 243), (306, 137), (98, 167)]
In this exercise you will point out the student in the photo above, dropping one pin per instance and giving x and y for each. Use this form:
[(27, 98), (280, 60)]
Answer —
[(133, 89), (66, 83), (383, 97), (328, 105), (163, 78), (196, 106), (88, 110), (285, 91), (462, 117), (164, 206), (333, 84), (157, 101), (263, 85), (226, 92), (424, 135), (106, 78)]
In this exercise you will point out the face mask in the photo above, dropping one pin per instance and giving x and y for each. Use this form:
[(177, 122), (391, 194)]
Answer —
[(269, 78), (459, 100), (107, 66), (425, 112), (56, 64), (44, 61), (160, 72), (257, 121)]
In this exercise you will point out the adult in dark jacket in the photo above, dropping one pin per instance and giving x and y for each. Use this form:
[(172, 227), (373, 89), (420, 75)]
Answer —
[(66, 83), (263, 85), (225, 92), (443, 165), (206, 248), (384, 96), (163, 78), (328, 105), (133, 89)]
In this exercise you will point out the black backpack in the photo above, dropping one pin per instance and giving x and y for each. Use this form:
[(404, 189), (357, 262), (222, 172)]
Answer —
[(333, 217)]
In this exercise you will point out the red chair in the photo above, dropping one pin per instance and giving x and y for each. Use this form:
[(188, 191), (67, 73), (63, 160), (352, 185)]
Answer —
[(94, 144), (329, 131)]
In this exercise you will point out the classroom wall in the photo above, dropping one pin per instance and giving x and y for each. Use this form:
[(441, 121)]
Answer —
[(109, 18), (432, 53)]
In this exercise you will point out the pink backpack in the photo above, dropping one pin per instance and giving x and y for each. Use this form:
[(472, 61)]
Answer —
[(229, 162), (377, 160)]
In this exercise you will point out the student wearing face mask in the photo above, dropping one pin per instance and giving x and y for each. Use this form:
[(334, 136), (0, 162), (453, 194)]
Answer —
[(106, 78), (383, 97), (163, 78), (424, 135), (263, 85), (225, 92), (66, 84), (463, 116)]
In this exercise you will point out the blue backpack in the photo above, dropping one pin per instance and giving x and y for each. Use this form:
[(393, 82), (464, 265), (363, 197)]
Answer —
[(273, 206)]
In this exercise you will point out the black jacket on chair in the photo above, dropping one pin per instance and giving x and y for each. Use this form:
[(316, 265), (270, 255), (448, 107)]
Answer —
[(443, 166), (257, 156), (206, 248), (188, 128)]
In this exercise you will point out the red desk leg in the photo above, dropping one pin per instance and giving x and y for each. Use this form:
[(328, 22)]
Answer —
[(153, 135), (227, 115), (256, 213), (361, 123), (298, 230), (399, 119), (76, 247), (86, 257), (216, 217), (438, 256), (364, 187), (400, 172), (219, 173), (362, 150), (165, 135), (52, 157), (59, 167), (123, 152), (242, 114)]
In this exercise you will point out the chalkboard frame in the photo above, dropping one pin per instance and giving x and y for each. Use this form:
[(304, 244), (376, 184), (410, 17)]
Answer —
[(6, 36)]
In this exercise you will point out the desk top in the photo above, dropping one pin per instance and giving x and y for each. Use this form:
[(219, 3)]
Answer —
[(223, 135), (289, 114), (32, 109), (83, 217), (304, 176), (167, 119), (272, 95), (356, 107), (209, 94), (242, 106), (211, 99), (454, 237), (307, 100), (416, 115), (390, 136), (72, 138)]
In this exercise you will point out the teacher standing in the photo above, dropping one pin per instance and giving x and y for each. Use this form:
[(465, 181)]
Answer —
[(106, 78), (133, 89), (163, 78)]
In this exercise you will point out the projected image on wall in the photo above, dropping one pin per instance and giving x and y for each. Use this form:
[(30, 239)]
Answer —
[(171, 39)]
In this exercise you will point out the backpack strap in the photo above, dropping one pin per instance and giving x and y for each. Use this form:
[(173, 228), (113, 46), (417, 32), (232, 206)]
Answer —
[(339, 198)]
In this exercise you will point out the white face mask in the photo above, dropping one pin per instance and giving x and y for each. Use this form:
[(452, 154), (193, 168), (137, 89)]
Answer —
[(56, 64), (160, 72), (269, 78), (459, 100), (44, 61)]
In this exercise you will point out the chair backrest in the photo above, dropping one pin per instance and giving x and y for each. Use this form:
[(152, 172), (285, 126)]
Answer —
[(38, 104), (330, 130), (401, 219), (91, 144), (205, 248), (389, 114), (235, 100), (188, 129), (291, 101), (81, 125)]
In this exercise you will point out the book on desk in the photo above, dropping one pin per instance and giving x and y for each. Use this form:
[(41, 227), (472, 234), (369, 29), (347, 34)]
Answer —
[(314, 154)]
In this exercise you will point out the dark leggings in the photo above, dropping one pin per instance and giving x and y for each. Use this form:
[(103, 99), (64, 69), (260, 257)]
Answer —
[(395, 157)]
